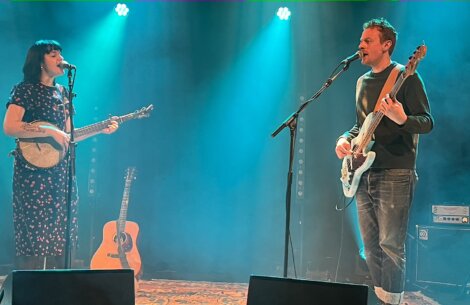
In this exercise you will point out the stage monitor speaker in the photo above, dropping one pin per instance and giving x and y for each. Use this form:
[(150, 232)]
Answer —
[(265, 290), (69, 287), (442, 255)]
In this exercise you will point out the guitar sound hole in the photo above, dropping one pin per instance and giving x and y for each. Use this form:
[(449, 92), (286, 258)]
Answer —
[(126, 241)]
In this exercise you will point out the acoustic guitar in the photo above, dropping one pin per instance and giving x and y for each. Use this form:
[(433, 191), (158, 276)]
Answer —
[(45, 152), (118, 249)]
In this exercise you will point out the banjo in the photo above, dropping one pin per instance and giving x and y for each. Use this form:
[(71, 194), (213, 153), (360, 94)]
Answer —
[(45, 152)]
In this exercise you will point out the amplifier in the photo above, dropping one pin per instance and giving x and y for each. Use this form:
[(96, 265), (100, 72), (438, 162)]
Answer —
[(442, 255), (451, 214)]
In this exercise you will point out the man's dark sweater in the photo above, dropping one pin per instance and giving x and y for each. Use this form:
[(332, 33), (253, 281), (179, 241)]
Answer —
[(395, 146)]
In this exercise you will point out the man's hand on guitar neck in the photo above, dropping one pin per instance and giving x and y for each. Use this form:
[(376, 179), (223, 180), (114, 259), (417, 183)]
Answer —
[(393, 109), (343, 148)]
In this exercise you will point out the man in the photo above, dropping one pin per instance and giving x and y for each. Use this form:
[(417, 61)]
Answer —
[(386, 190)]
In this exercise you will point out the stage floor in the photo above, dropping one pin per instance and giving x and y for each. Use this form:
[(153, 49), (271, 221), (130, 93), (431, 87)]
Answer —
[(173, 292), (177, 292)]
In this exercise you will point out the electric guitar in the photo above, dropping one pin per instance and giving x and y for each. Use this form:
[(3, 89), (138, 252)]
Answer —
[(119, 249), (45, 152), (362, 157)]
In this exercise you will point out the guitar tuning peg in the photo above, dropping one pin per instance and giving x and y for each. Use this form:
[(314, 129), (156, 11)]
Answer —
[(410, 57)]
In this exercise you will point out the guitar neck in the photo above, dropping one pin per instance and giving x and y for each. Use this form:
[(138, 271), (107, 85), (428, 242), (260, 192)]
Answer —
[(97, 127), (379, 115), (124, 206), (401, 79)]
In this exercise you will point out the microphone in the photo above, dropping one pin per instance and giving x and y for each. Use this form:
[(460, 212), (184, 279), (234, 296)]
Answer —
[(66, 65), (351, 58)]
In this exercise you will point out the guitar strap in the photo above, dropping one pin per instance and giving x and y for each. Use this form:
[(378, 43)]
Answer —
[(391, 80)]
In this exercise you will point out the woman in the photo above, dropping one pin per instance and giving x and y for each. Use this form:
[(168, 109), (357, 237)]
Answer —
[(40, 194)]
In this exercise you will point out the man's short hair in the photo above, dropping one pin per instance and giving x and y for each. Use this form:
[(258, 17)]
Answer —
[(387, 31)]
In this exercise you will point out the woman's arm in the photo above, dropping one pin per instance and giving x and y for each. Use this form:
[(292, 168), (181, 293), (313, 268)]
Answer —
[(13, 126)]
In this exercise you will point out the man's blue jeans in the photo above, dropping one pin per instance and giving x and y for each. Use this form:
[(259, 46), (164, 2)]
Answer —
[(383, 202)]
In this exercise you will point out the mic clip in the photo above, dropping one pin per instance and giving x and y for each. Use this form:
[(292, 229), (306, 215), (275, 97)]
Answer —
[(351, 58)]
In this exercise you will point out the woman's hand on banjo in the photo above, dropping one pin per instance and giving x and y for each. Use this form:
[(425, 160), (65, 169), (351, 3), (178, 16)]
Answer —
[(61, 137), (112, 127)]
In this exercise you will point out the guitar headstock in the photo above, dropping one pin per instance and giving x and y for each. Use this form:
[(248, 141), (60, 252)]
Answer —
[(414, 59), (130, 173), (144, 112)]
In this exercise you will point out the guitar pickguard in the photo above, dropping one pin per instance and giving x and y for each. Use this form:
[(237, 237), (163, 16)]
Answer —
[(356, 164)]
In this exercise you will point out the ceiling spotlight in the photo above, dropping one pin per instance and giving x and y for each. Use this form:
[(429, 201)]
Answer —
[(121, 9), (283, 13)]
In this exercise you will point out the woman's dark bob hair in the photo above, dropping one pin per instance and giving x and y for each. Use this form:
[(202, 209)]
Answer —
[(35, 58)]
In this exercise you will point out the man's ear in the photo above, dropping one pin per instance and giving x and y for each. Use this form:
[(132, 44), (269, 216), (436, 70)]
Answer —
[(387, 45)]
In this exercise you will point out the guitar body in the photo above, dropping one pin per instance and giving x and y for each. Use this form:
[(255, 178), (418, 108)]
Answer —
[(356, 164), (42, 152), (108, 255)]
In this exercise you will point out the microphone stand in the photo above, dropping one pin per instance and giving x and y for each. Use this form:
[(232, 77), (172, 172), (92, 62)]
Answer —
[(70, 171), (291, 122)]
